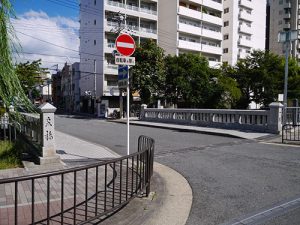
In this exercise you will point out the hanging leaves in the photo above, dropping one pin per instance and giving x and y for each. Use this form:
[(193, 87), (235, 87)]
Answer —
[(11, 91)]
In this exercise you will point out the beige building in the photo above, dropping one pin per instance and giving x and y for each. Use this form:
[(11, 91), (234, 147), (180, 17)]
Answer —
[(284, 16)]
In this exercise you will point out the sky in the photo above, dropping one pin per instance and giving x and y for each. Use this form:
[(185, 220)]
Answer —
[(47, 30)]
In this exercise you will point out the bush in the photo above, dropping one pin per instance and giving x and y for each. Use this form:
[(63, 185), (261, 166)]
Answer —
[(10, 154)]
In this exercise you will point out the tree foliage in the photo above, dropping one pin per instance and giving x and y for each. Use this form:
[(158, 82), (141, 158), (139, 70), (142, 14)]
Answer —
[(260, 77), (192, 83), (31, 75), (10, 86), (148, 75)]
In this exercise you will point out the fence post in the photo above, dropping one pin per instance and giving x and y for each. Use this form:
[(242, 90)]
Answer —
[(47, 134), (275, 117)]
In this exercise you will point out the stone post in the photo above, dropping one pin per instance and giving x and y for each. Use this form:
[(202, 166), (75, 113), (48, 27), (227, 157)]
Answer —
[(275, 118), (48, 134), (142, 113)]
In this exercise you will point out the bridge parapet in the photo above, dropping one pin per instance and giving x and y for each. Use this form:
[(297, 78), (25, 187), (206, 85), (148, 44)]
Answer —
[(255, 120)]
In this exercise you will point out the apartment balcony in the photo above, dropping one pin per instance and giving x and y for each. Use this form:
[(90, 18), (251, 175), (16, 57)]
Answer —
[(109, 25), (131, 10), (109, 47), (287, 16), (287, 5), (245, 16), (245, 29), (286, 26), (187, 45), (111, 91), (212, 49), (190, 13), (245, 42), (210, 3), (148, 33), (242, 55), (214, 64), (195, 46), (111, 69), (212, 19), (190, 29), (212, 34), (246, 3)]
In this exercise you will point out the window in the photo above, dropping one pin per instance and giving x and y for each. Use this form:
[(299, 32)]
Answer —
[(95, 2), (226, 10), (95, 42), (225, 50), (226, 23), (95, 22), (226, 36)]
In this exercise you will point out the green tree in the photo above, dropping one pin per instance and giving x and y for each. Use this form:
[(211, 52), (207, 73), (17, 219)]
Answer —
[(260, 77), (191, 83), (30, 75), (10, 87), (148, 75)]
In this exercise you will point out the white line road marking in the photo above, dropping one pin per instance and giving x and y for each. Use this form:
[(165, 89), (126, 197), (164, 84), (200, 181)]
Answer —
[(125, 45), (269, 211)]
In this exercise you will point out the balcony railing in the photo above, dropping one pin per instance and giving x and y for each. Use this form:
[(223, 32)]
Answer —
[(133, 8), (148, 30)]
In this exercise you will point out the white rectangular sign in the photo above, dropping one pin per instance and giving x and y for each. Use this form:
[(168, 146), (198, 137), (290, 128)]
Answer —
[(124, 60)]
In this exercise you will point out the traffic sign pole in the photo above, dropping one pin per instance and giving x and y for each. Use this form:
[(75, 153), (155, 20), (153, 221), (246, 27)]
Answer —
[(125, 45), (128, 151)]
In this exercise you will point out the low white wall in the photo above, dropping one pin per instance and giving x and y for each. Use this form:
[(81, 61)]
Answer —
[(255, 120)]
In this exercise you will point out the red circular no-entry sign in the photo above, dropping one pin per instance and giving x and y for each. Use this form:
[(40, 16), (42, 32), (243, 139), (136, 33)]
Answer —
[(125, 44)]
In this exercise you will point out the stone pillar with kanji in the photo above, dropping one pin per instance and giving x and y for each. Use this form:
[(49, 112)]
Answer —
[(48, 134)]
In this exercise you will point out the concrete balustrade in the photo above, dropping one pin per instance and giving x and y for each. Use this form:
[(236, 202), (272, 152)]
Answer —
[(255, 120)]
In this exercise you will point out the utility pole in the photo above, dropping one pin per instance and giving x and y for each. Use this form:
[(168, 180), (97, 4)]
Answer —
[(287, 38), (95, 86), (120, 18)]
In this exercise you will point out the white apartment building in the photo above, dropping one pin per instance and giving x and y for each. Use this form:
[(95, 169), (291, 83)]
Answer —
[(97, 42), (284, 16), (244, 28), (191, 26)]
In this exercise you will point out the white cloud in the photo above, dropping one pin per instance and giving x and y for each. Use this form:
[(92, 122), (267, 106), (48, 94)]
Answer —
[(58, 30)]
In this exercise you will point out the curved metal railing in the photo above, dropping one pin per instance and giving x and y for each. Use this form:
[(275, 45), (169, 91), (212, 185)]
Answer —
[(78, 195)]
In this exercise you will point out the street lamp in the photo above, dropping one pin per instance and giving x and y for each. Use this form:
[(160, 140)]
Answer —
[(287, 37)]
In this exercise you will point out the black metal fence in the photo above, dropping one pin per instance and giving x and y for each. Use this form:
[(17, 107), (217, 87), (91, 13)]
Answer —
[(8, 131), (78, 195), (292, 115), (291, 133)]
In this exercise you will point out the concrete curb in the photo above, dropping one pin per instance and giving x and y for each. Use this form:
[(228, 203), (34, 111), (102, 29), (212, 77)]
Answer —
[(201, 130), (169, 203), (177, 201)]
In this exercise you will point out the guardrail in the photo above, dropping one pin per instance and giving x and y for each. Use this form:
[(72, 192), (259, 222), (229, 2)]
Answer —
[(78, 195)]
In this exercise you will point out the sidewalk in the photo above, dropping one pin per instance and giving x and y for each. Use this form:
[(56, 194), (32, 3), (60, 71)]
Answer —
[(169, 204), (204, 130)]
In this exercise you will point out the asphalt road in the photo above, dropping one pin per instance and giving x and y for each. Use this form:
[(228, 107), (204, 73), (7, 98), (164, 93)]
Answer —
[(232, 179)]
